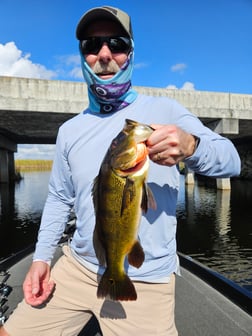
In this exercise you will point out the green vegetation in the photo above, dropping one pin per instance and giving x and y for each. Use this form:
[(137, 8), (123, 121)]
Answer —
[(32, 165)]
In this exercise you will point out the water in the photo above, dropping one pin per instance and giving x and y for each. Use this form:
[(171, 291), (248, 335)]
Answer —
[(214, 226), (21, 206)]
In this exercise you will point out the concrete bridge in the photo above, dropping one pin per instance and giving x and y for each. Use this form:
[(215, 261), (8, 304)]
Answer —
[(32, 110)]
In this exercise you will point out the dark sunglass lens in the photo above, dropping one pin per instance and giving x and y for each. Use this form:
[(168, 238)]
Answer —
[(116, 44), (91, 46), (119, 44)]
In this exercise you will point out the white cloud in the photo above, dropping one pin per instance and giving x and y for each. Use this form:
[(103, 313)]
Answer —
[(140, 65), (76, 73), (69, 66), (179, 67), (186, 86), (172, 87), (14, 63), (71, 59), (35, 152)]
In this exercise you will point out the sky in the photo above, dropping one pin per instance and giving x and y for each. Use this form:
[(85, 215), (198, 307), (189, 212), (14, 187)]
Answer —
[(181, 44)]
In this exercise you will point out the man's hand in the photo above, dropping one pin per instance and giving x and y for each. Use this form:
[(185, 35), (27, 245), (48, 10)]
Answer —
[(169, 144), (37, 285)]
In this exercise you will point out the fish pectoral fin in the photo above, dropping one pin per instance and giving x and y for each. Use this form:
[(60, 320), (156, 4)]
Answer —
[(129, 191), (148, 199), (151, 199), (136, 255)]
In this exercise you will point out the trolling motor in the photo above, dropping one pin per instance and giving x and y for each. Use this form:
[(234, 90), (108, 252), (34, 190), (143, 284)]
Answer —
[(5, 291)]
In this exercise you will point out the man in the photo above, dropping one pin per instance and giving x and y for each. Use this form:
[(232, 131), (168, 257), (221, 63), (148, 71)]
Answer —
[(62, 301)]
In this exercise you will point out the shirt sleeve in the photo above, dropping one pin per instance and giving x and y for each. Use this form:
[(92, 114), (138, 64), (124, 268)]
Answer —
[(215, 157), (58, 204)]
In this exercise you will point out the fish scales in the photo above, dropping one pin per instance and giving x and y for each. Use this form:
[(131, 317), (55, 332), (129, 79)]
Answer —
[(119, 194)]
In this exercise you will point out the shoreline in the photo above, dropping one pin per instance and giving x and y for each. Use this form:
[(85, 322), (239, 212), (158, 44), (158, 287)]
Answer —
[(28, 165)]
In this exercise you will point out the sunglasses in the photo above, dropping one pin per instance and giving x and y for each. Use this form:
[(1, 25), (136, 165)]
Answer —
[(116, 44)]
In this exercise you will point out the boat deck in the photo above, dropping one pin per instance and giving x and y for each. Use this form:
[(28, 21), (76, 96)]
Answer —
[(203, 311), (200, 309)]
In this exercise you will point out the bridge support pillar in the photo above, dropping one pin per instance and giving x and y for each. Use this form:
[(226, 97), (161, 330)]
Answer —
[(227, 126), (224, 183), (189, 179), (4, 170), (7, 165), (221, 183)]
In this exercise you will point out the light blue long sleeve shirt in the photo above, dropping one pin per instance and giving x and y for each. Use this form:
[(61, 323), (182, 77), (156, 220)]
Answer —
[(81, 146)]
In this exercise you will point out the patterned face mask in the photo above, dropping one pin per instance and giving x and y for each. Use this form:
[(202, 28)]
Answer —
[(113, 94)]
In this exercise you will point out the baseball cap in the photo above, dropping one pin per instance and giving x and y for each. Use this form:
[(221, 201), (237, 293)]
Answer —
[(108, 13)]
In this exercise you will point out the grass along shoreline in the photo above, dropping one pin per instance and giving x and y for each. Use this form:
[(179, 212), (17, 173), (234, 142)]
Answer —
[(32, 165)]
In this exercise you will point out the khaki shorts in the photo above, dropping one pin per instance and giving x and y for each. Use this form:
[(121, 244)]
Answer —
[(74, 301)]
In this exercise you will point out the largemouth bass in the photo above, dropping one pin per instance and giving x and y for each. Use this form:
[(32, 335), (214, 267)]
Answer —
[(120, 194)]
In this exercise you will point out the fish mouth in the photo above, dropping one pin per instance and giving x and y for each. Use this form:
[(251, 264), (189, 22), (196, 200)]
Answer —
[(138, 162), (130, 171), (135, 168)]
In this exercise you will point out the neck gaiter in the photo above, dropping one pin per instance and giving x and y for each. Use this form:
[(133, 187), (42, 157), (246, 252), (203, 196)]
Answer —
[(113, 94)]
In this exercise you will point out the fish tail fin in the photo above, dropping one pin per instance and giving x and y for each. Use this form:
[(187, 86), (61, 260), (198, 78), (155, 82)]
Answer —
[(119, 288)]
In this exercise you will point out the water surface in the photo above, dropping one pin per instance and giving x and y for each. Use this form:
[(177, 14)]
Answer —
[(215, 228)]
